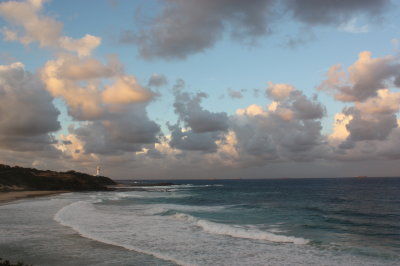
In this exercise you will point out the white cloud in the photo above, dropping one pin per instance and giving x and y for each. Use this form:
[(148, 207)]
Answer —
[(29, 25)]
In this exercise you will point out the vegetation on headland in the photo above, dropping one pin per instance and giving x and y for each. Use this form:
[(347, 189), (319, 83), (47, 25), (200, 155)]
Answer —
[(20, 178), (8, 263)]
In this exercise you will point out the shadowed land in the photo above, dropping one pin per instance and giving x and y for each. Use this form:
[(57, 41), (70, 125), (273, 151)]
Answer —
[(19, 182)]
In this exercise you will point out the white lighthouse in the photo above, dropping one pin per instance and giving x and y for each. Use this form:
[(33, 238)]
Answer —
[(98, 170)]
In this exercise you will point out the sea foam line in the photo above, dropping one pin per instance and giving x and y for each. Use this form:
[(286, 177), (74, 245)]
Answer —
[(58, 217), (238, 231)]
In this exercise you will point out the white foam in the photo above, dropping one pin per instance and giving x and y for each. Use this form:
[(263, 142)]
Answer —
[(187, 240), (239, 231), (66, 215)]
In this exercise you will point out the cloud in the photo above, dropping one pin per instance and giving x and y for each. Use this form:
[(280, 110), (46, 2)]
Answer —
[(125, 90), (189, 110), (370, 126), (35, 27), (235, 94), (27, 114), (79, 81), (315, 12), (186, 27), (352, 27), (339, 132), (83, 46), (373, 116), (157, 80), (289, 130), (84, 102), (125, 133), (365, 77), (389, 149), (78, 69), (29, 25), (386, 102), (279, 92), (201, 128), (193, 141)]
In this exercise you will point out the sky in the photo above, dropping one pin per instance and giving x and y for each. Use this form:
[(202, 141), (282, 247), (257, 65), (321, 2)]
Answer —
[(211, 89)]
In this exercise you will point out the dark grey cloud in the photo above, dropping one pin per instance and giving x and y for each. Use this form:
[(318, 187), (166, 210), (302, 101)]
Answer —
[(305, 108), (370, 126), (127, 131), (27, 113), (390, 149), (35, 143), (291, 131), (201, 128), (185, 27), (188, 108), (193, 141)]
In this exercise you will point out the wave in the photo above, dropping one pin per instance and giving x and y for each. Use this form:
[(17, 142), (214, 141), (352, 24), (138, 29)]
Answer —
[(63, 213), (168, 209), (239, 231)]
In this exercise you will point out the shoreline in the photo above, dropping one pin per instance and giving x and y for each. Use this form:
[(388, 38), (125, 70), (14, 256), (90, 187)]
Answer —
[(9, 196)]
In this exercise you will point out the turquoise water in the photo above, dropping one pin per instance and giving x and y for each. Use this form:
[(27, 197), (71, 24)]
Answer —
[(241, 222)]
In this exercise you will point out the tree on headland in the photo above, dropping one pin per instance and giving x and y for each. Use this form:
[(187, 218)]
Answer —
[(34, 179), (8, 263)]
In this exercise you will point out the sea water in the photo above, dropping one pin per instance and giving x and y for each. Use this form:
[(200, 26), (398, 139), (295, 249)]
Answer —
[(352, 221)]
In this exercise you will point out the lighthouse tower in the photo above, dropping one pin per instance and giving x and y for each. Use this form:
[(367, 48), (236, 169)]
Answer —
[(98, 170)]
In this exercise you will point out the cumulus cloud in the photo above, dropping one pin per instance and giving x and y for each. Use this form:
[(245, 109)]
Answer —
[(290, 129), (201, 128), (125, 133), (110, 104), (386, 102), (372, 118), (188, 108), (279, 92), (365, 77), (185, 27), (29, 24), (193, 141), (83, 46), (369, 126), (126, 90), (27, 114), (35, 27), (79, 82)]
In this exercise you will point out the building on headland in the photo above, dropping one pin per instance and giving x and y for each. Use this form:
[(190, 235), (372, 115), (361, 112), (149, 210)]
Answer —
[(98, 170)]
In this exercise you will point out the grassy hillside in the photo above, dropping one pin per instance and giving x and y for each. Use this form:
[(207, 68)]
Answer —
[(12, 178)]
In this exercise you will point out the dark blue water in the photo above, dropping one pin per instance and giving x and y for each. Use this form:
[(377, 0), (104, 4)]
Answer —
[(355, 215)]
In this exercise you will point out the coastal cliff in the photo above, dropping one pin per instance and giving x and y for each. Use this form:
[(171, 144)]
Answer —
[(20, 178)]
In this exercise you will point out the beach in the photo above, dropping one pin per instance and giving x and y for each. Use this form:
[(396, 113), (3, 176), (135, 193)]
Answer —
[(16, 195)]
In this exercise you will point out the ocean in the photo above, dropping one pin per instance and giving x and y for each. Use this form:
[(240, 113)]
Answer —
[(342, 221)]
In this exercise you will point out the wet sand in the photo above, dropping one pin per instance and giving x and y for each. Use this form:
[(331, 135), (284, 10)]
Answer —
[(16, 195)]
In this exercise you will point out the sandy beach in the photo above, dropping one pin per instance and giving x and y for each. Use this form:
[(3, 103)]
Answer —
[(15, 195)]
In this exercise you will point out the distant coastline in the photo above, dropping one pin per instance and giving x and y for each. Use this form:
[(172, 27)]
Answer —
[(19, 182)]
